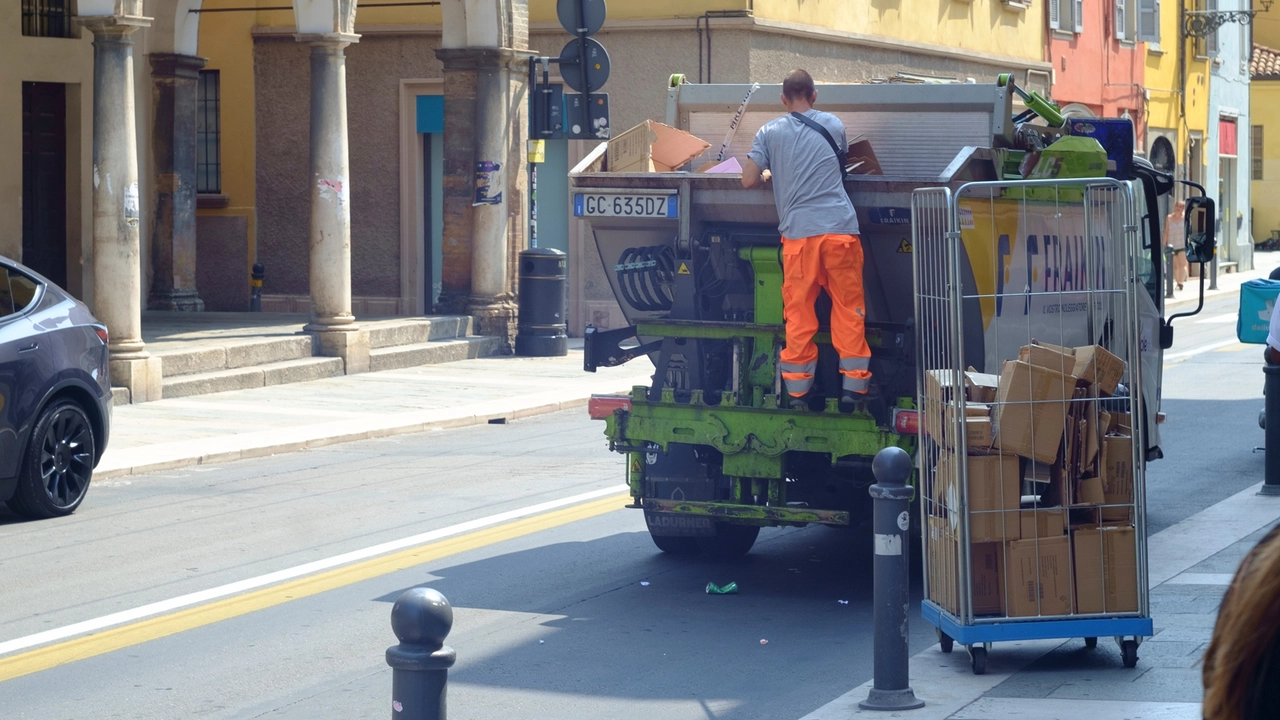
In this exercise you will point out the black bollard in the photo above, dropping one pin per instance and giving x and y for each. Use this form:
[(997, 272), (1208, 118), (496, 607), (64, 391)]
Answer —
[(421, 619), (891, 689), (1272, 404), (255, 294)]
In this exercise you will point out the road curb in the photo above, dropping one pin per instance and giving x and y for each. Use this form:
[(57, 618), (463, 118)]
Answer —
[(301, 440)]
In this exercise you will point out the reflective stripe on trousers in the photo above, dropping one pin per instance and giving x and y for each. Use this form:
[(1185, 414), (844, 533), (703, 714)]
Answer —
[(856, 372), (798, 377)]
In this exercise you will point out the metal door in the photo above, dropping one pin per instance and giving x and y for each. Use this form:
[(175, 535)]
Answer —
[(44, 179)]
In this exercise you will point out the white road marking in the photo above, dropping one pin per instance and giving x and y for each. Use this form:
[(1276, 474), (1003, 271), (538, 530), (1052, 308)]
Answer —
[(253, 583), (1197, 350), (1225, 318)]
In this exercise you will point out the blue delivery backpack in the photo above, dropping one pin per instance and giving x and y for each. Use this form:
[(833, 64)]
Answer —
[(1257, 298)]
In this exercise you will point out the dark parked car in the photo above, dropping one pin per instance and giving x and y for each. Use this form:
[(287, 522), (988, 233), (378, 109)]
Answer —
[(55, 394)]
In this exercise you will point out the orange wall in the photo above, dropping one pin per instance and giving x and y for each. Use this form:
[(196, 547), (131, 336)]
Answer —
[(1097, 70)]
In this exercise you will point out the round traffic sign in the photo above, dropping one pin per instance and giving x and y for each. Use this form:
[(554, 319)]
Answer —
[(592, 15), (579, 75)]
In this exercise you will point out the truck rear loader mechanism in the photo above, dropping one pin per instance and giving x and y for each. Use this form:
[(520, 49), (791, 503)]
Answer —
[(713, 453)]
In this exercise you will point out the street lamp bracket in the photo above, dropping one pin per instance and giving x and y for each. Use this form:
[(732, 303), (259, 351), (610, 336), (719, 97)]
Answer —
[(1202, 23)]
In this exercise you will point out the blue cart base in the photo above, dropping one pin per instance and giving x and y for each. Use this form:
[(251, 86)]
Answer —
[(977, 637)]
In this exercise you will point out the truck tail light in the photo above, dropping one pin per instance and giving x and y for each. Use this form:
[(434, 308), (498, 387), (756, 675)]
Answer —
[(600, 407), (906, 422)]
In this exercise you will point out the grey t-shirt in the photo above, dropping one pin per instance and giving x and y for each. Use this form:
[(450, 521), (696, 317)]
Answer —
[(806, 177)]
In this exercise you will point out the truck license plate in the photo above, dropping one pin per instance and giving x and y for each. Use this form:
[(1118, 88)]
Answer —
[(621, 205)]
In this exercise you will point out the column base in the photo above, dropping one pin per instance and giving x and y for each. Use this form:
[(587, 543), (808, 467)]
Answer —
[(891, 700), (142, 377), (347, 342), (181, 300), (495, 318), (452, 302)]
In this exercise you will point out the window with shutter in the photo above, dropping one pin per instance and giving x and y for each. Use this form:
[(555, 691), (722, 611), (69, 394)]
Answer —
[(1077, 16), (1055, 14), (1122, 22), (1149, 21)]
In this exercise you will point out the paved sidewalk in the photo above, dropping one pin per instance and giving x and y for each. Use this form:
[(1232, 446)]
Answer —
[(1190, 565), (1228, 283), (283, 418)]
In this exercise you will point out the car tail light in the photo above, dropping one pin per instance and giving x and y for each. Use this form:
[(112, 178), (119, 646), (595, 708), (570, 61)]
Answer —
[(906, 422), (600, 407), (103, 334)]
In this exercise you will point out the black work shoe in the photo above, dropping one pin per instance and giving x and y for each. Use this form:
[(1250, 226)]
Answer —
[(849, 401), (800, 402)]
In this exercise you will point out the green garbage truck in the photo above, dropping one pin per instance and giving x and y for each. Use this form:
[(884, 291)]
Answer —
[(693, 258)]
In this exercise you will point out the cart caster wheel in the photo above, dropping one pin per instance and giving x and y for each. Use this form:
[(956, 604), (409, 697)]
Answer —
[(945, 642), (1091, 643), (978, 658), (1129, 653)]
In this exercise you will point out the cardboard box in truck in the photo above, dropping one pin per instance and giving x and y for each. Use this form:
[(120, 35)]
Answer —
[(652, 147)]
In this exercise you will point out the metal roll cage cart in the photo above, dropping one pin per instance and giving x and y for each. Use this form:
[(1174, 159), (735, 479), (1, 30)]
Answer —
[(1031, 269)]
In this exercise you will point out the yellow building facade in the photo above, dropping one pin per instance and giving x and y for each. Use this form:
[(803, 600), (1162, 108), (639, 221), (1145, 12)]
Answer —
[(1264, 137), (1177, 96)]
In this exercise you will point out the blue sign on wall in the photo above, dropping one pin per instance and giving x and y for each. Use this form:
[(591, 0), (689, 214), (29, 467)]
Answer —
[(430, 113)]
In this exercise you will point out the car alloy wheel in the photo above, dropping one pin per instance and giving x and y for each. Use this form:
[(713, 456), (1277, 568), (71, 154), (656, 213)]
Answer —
[(58, 465)]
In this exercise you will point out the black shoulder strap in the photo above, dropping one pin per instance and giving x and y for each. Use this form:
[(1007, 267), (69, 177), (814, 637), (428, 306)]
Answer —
[(841, 155)]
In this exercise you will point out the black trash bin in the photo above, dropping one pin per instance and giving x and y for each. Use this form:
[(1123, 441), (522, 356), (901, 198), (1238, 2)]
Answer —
[(540, 331)]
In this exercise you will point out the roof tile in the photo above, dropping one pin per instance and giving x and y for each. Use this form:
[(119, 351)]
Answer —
[(1265, 64)]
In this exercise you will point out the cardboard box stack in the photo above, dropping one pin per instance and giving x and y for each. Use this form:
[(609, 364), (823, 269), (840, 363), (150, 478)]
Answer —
[(1068, 550)]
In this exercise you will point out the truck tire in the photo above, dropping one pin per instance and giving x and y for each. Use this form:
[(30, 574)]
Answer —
[(675, 544), (730, 541)]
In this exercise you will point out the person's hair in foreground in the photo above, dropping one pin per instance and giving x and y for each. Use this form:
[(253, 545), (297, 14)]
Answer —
[(1242, 664)]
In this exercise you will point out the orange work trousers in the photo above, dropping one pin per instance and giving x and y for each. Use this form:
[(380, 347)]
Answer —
[(833, 262)]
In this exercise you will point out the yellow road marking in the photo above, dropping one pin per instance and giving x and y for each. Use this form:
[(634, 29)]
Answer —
[(118, 638)]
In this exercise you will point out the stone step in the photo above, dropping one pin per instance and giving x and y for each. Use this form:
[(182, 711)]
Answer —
[(235, 355), (414, 332), (428, 353), (243, 378), (120, 396)]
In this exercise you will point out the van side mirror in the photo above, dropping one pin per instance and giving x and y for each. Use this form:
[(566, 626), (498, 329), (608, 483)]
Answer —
[(1201, 219)]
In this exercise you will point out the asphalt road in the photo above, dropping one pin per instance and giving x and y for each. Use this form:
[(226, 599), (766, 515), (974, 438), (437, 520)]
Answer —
[(550, 621)]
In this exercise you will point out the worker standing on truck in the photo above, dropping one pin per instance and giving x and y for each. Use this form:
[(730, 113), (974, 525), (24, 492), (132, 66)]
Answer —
[(803, 153)]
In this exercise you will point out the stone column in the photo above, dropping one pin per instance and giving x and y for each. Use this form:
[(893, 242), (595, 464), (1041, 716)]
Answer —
[(173, 147), (117, 269), (478, 237), (332, 323)]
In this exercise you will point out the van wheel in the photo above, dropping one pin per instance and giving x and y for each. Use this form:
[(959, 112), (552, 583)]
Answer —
[(58, 464)]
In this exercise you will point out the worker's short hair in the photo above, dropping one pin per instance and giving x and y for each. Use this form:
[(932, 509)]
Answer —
[(798, 85)]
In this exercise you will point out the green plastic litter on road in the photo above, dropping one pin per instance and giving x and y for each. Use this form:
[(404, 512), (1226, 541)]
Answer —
[(729, 589)]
